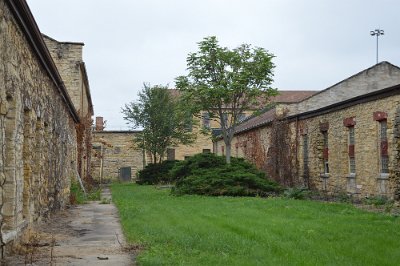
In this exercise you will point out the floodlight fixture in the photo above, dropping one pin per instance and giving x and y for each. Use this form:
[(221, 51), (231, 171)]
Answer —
[(377, 33)]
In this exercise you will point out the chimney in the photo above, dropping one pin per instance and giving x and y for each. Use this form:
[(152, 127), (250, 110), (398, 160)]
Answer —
[(99, 123)]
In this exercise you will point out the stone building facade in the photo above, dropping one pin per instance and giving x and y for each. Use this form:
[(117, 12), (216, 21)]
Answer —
[(38, 122), (204, 140), (332, 141), (113, 150), (68, 59)]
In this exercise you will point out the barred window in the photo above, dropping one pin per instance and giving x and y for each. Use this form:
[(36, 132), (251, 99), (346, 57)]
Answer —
[(385, 165), (384, 156), (305, 154), (170, 154), (352, 141), (383, 130), (326, 152), (225, 119), (352, 163), (206, 120)]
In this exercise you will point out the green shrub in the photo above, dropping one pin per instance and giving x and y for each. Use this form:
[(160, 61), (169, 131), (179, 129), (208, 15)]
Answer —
[(297, 193), (155, 173), (377, 201), (208, 174)]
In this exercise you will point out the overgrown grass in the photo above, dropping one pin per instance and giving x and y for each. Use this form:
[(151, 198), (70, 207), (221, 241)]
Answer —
[(78, 197), (197, 230)]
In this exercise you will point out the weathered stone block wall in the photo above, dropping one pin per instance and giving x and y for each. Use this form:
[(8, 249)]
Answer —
[(67, 56), (378, 77), (367, 180), (68, 59), (267, 150), (118, 151), (203, 142), (37, 135)]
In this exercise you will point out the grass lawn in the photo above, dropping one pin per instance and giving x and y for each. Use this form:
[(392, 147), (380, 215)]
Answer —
[(195, 230)]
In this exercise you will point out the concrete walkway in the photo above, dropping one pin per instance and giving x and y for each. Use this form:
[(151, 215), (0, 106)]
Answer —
[(88, 234)]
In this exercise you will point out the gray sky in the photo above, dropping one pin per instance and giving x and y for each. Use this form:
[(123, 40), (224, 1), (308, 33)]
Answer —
[(127, 42)]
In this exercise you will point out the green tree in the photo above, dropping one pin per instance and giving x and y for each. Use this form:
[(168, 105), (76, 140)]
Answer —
[(162, 118), (226, 82)]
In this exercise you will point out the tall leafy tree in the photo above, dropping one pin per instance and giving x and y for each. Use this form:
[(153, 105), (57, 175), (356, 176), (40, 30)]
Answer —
[(226, 82), (162, 118)]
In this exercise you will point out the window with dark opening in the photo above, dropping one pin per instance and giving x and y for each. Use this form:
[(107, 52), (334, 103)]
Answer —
[(352, 142), (326, 152), (384, 158)]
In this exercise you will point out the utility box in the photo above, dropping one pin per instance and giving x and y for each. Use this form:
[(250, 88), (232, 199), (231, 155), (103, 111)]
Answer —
[(125, 174)]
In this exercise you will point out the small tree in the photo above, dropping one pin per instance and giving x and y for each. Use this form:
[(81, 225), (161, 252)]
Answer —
[(162, 118), (226, 82)]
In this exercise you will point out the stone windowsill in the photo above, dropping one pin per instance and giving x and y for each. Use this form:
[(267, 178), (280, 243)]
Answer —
[(351, 175), (383, 176), (325, 175)]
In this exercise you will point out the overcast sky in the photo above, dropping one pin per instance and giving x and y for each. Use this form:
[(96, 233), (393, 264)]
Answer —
[(317, 43)]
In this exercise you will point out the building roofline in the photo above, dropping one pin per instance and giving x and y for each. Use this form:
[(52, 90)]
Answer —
[(54, 40), (86, 81), (369, 97), (352, 76), (26, 21)]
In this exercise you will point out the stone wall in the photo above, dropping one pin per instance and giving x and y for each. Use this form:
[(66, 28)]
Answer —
[(113, 150), (368, 179), (313, 148), (68, 58), (37, 132), (378, 77)]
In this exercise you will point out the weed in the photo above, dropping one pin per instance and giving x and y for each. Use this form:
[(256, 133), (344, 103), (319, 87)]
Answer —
[(297, 193)]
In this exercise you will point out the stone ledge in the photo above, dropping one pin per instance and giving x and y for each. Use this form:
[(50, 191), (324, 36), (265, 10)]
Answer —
[(383, 176)]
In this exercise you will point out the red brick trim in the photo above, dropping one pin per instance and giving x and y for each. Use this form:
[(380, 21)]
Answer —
[(324, 126), (379, 116), (349, 122)]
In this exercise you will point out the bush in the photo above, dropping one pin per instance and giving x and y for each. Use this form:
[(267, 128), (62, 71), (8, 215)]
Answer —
[(297, 193), (155, 173), (208, 174), (377, 201)]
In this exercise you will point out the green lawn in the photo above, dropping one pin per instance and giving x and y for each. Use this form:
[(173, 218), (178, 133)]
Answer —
[(195, 230)]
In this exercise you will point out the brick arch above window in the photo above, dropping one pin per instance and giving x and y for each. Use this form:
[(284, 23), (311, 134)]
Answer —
[(379, 116)]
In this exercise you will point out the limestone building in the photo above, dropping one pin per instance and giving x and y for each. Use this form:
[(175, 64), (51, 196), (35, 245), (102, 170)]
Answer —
[(345, 138), (113, 152), (67, 57), (38, 125), (204, 140)]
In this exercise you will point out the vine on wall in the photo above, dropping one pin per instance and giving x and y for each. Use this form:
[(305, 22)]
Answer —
[(84, 148), (276, 158)]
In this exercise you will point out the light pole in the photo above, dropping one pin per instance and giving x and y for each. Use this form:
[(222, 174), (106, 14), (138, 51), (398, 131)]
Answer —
[(377, 33)]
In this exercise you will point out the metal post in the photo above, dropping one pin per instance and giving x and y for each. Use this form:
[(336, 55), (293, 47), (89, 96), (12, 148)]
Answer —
[(101, 163), (377, 33)]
